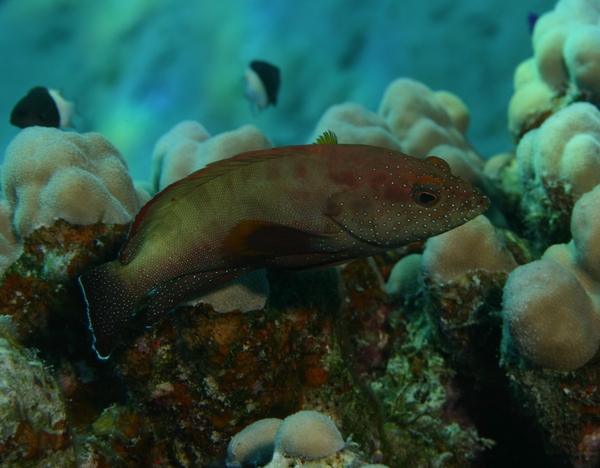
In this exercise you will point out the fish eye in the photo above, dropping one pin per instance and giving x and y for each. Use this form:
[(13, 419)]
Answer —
[(426, 198), (427, 191)]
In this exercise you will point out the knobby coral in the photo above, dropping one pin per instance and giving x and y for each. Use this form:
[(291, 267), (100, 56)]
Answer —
[(564, 68), (81, 178)]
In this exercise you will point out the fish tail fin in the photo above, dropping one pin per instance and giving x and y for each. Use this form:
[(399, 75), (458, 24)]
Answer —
[(111, 299)]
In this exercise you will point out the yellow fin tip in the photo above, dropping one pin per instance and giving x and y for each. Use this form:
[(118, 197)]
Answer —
[(327, 138)]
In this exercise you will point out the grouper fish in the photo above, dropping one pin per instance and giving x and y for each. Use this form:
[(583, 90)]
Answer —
[(295, 207)]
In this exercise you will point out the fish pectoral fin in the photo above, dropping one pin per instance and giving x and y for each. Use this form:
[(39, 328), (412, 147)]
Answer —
[(261, 240), (322, 266)]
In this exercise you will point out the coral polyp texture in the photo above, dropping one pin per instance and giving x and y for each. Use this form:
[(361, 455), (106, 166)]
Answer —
[(565, 66), (353, 123), (551, 306), (557, 163), (411, 118), (308, 434), (564, 150), (551, 336), (431, 123), (444, 260), (554, 326), (307, 438), (83, 179), (254, 444), (464, 274), (188, 147)]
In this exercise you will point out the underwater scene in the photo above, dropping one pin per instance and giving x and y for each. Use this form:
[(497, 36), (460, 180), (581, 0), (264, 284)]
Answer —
[(276, 234)]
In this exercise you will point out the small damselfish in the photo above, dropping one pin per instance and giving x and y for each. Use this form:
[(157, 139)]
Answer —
[(262, 84), (296, 207), (43, 107)]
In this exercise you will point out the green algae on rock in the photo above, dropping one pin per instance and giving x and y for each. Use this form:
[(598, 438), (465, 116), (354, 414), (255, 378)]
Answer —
[(200, 376), (563, 406), (394, 347), (34, 428), (39, 291), (416, 393), (232, 367)]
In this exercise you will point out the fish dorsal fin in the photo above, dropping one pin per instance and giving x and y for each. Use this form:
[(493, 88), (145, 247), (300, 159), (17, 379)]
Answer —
[(157, 209), (327, 138)]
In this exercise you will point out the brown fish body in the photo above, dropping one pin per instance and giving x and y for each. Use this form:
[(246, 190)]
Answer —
[(290, 207)]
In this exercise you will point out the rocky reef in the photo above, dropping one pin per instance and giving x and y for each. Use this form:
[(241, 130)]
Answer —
[(478, 347)]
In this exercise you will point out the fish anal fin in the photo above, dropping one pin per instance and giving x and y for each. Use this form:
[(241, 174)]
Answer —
[(171, 293), (264, 240)]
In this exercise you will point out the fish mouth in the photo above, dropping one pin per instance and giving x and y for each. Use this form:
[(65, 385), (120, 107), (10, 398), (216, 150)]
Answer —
[(477, 204), (482, 202)]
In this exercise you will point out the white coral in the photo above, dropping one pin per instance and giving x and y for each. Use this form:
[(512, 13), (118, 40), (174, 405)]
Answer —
[(566, 44), (188, 147), (81, 178), (566, 148), (552, 306)]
